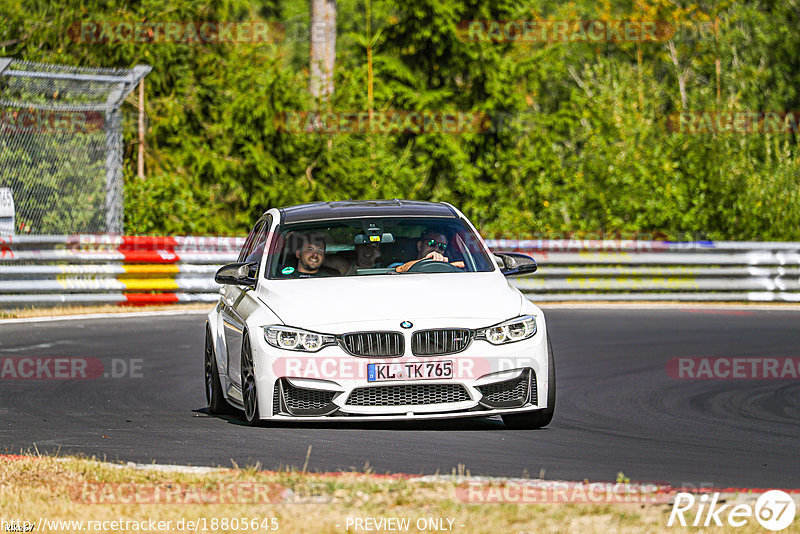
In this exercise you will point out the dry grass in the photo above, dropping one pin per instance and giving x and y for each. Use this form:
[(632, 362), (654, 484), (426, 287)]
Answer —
[(85, 310), (34, 488)]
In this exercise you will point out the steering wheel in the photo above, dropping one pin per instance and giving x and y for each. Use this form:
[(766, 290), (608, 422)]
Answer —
[(429, 265)]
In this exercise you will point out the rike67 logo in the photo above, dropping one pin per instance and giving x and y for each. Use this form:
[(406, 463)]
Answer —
[(774, 510)]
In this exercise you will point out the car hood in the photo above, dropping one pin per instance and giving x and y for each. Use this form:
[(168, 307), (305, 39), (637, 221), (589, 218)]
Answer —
[(315, 302)]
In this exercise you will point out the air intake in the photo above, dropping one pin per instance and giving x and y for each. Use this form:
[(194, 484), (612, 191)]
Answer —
[(410, 395), (512, 393), (302, 401)]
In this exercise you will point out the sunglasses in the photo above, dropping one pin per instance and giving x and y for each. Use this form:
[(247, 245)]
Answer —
[(437, 244)]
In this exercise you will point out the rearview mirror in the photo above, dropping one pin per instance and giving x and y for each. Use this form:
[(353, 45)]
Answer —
[(514, 263), (362, 239), (238, 274)]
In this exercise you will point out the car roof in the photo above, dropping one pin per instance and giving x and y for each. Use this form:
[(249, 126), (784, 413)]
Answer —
[(346, 209)]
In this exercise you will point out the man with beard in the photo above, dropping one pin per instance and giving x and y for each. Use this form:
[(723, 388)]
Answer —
[(310, 255)]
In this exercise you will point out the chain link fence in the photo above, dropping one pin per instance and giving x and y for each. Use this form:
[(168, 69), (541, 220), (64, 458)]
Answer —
[(61, 146)]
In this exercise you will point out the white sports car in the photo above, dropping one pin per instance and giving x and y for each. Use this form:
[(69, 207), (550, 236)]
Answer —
[(376, 310)]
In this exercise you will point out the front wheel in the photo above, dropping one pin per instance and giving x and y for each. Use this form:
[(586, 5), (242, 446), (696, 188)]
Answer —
[(539, 418), (215, 399), (249, 392)]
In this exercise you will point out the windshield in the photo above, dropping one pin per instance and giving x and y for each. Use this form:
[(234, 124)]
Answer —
[(388, 246)]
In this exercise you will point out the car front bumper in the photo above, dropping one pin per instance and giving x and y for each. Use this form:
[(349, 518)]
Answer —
[(488, 380)]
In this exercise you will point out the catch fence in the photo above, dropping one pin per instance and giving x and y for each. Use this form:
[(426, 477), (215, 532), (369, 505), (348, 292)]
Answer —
[(61, 147)]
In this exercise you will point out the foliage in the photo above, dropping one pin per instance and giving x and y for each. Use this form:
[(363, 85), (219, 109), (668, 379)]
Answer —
[(590, 150)]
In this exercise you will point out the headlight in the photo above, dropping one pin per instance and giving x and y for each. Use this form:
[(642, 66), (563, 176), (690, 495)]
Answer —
[(509, 331), (288, 338)]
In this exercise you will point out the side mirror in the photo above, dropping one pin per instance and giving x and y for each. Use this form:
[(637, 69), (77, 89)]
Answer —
[(238, 274), (514, 264)]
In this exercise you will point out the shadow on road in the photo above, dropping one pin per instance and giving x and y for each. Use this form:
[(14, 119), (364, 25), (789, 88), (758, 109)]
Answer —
[(449, 425)]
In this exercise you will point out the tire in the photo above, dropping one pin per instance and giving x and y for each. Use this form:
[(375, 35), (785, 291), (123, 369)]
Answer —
[(215, 399), (249, 391), (539, 418)]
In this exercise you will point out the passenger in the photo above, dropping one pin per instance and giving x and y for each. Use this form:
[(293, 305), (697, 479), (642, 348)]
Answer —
[(366, 255), (310, 255), (430, 245)]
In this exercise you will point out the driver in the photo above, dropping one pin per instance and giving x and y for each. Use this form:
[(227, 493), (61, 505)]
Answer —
[(431, 245)]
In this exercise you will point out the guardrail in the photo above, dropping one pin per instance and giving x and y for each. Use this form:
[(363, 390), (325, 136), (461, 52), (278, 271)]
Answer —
[(628, 270), (109, 269)]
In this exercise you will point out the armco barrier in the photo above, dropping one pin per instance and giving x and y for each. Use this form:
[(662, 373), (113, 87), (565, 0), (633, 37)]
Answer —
[(626, 270), (109, 269)]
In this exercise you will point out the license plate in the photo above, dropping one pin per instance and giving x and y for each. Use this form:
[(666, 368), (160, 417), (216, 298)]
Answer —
[(379, 372)]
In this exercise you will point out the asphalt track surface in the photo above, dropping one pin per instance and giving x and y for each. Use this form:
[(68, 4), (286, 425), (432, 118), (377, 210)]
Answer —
[(618, 408)]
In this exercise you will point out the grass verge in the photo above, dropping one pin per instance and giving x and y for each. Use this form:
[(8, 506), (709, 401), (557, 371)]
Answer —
[(57, 311), (85, 490)]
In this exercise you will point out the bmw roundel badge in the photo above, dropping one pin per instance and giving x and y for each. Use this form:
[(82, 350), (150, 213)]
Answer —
[(406, 324)]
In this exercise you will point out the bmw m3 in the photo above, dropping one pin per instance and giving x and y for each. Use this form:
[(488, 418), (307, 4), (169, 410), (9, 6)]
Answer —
[(376, 310)]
